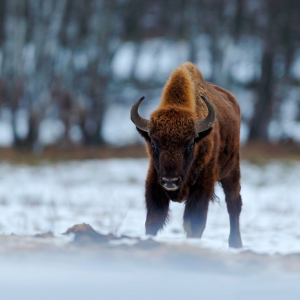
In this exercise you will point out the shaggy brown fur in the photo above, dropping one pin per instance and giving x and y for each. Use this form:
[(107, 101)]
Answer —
[(195, 161)]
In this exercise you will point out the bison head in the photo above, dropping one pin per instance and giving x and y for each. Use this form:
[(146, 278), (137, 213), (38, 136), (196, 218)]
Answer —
[(171, 134)]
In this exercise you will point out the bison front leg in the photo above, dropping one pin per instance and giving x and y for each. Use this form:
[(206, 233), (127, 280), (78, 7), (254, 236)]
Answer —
[(157, 204), (231, 187), (195, 213)]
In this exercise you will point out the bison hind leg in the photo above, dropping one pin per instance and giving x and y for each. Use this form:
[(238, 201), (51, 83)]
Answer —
[(231, 187)]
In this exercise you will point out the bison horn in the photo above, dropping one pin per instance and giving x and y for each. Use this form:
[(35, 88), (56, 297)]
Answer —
[(206, 123), (138, 121)]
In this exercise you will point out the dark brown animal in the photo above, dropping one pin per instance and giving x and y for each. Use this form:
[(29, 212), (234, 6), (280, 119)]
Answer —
[(192, 142)]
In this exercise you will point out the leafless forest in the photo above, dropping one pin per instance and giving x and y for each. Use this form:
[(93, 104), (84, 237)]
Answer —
[(62, 60)]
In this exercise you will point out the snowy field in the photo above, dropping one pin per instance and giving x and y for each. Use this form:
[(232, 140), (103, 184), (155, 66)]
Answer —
[(109, 195)]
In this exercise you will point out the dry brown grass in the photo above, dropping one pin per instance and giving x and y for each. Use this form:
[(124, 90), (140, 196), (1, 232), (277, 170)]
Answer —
[(75, 153), (258, 153)]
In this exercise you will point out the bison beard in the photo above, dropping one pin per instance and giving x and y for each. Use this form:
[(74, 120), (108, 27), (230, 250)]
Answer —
[(193, 142)]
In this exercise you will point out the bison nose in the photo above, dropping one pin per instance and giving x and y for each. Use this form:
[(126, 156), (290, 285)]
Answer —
[(170, 184)]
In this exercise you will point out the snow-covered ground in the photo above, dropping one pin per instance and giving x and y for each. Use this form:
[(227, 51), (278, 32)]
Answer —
[(109, 195)]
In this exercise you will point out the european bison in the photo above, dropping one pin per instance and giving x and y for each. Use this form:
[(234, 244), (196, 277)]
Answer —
[(192, 142)]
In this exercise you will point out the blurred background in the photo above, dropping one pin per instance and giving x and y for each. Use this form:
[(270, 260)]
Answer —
[(71, 69)]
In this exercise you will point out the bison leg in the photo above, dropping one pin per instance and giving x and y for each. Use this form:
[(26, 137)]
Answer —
[(157, 204), (195, 213), (231, 187)]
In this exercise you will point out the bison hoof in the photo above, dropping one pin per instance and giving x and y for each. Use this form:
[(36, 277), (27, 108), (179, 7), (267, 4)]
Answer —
[(193, 231), (151, 231), (235, 242)]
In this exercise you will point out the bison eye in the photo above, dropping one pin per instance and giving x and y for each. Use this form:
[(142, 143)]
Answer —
[(191, 147), (154, 149)]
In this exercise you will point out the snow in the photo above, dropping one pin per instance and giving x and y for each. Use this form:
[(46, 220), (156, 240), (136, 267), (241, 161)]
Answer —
[(204, 58), (152, 59), (109, 195), (28, 57), (240, 60), (6, 134), (1, 61), (123, 60), (50, 130), (78, 277), (295, 69), (126, 133), (146, 60)]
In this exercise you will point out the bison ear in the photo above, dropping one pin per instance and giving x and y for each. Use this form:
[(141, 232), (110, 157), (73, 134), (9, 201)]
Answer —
[(144, 134), (203, 134)]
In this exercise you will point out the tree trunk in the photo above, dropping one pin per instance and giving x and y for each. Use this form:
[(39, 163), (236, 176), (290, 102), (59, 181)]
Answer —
[(265, 100), (190, 14)]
